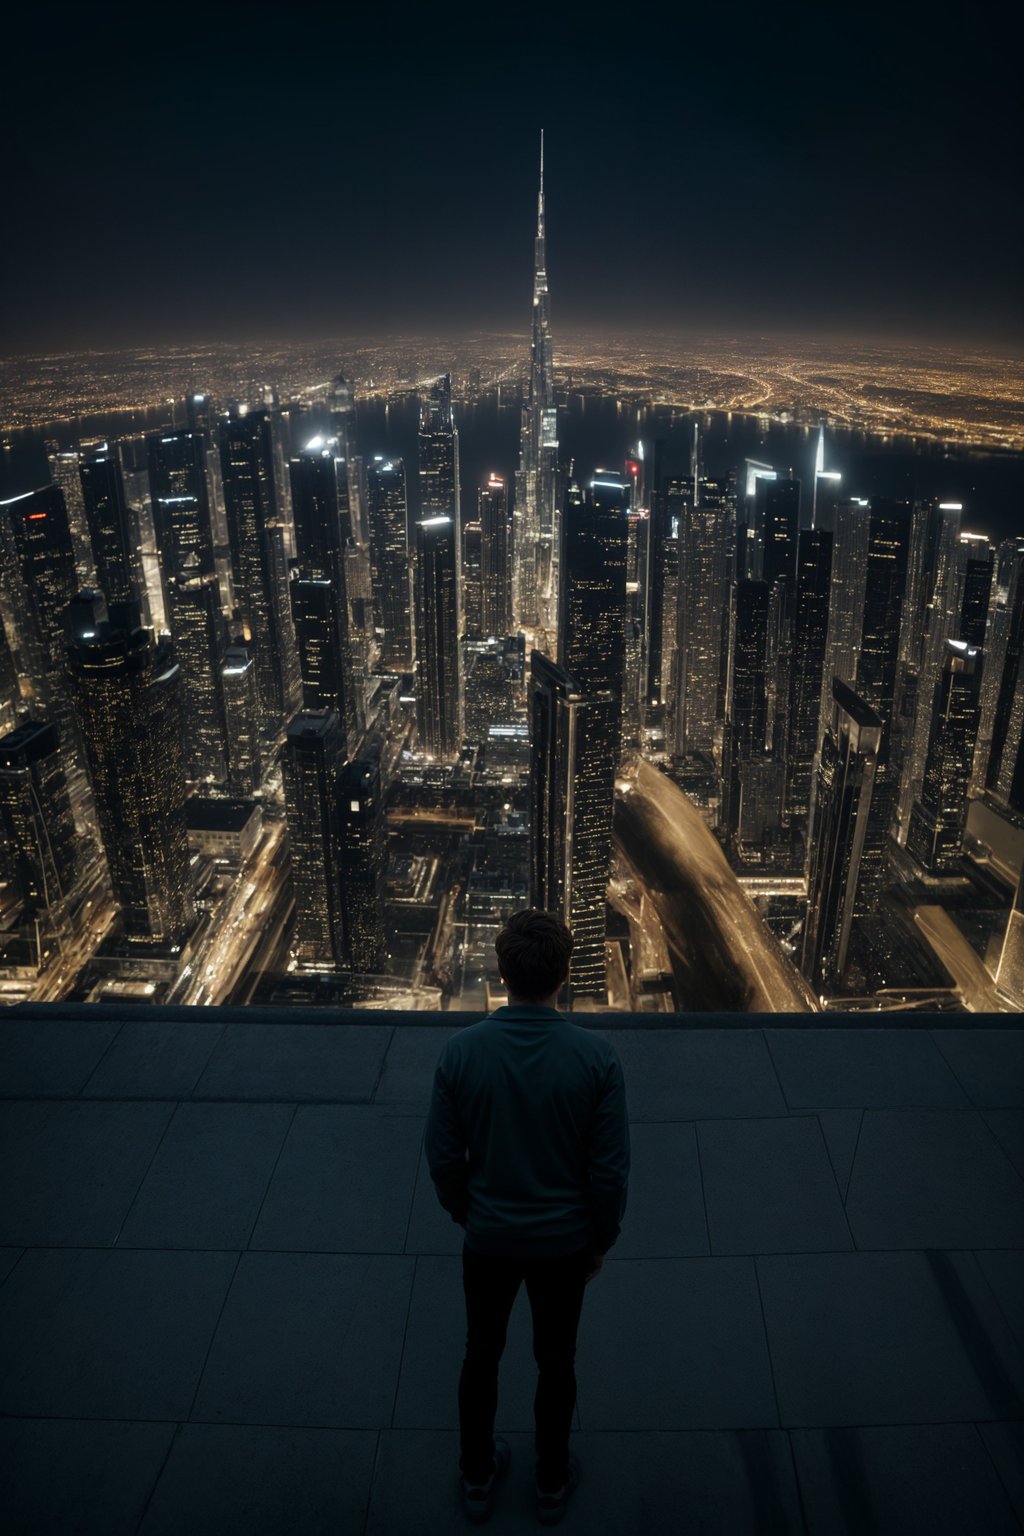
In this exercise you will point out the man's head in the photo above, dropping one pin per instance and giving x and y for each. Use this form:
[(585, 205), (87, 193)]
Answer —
[(533, 955)]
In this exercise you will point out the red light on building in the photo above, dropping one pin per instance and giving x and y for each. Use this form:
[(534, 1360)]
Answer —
[(34, 517), (633, 466)]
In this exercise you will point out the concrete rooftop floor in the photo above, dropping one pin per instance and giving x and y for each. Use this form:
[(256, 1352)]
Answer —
[(230, 1302)]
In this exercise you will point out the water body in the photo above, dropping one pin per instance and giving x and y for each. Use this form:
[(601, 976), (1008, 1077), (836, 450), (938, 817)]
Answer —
[(598, 431)]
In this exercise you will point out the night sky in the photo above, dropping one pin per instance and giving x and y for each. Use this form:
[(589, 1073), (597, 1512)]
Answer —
[(197, 173)]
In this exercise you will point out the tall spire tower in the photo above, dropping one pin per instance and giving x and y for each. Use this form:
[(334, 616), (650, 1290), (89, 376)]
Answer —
[(535, 524)]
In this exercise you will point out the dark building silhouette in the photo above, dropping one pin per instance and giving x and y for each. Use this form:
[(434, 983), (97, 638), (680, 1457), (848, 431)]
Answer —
[(389, 559), (313, 754), (127, 692), (258, 565), (438, 693), (884, 588), (108, 519), (43, 580), (573, 760), (592, 636), (935, 835), (181, 503), (1004, 775), (777, 511), (846, 779), (364, 839), (242, 719), (810, 635), (319, 593), (36, 819), (977, 558), (749, 689)]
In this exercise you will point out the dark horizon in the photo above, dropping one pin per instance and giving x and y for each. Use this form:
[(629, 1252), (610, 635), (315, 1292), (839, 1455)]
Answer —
[(262, 179)]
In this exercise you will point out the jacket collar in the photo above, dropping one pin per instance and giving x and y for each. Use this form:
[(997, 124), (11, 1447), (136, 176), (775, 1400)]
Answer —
[(525, 1011)]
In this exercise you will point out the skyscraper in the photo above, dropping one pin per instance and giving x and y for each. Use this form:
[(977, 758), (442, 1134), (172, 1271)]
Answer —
[(319, 593), (108, 520), (846, 776), (242, 716), (1001, 730), (846, 597), (535, 543), (181, 503), (572, 735), (438, 690), (495, 551), (36, 817), (45, 582), (810, 633), (749, 690), (128, 699), (472, 572), (592, 638), (313, 754), (364, 839), (777, 511), (937, 821), (197, 632), (389, 556), (1010, 971), (706, 557), (258, 565)]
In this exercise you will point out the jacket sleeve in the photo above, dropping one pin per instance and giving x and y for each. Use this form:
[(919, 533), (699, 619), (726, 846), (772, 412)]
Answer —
[(445, 1144), (608, 1155)]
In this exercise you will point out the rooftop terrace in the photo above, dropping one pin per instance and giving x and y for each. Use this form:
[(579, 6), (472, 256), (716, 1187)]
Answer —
[(231, 1302)]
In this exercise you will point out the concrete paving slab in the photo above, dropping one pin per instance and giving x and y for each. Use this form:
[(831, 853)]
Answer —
[(769, 1187), (208, 1178), (158, 1059), (1007, 1126), (435, 1345), (850, 1068), (877, 1338), (920, 1480), (1004, 1271), (674, 1344), (841, 1128), (933, 1178), (8, 1258), (431, 1228), (408, 1074), (295, 1062), (1005, 1445), (69, 1170), (344, 1182), (308, 1339), (731, 1483), (665, 1205), (988, 1062), (674, 1074), (78, 1477), (97, 1333), (255, 1480), (41, 1058)]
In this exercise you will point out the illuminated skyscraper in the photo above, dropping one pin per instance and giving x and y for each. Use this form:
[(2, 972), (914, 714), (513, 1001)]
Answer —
[(10, 696), (535, 543), (846, 776), (495, 557), (181, 503), (592, 638), (313, 754), (128, 700), (108, 520), (438, 690), (749, 690), (810, 632), (885, 584), (364, 839), (197, 632), (242, 716), (45, 580), (846, 598), (64, 471), (319, 593), (36, 817), (937, 821), (1002, 687), (777, 514), (439, 453), (940, 585), (976, 564), (572, 790), (389, 556), (258, 564), (706, 556)]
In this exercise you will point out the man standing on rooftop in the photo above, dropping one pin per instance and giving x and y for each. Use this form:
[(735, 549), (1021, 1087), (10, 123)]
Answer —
[(527, 1140)]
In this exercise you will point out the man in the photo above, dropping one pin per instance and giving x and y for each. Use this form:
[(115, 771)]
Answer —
[(539, 1105)]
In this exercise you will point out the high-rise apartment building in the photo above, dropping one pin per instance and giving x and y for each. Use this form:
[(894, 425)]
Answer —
[(127, 692), (572, 736)]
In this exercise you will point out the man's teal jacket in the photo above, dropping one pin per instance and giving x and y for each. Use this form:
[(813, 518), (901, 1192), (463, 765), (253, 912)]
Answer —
[(527, 1136)]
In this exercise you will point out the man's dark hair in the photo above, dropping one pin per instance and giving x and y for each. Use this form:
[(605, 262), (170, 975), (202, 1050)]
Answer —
[(533, 954)]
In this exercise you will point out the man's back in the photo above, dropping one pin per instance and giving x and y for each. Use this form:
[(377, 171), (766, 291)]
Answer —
[(539, 1105)]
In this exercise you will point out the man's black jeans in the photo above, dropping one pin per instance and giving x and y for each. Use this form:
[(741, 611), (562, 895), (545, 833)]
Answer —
[(555, 1288)]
